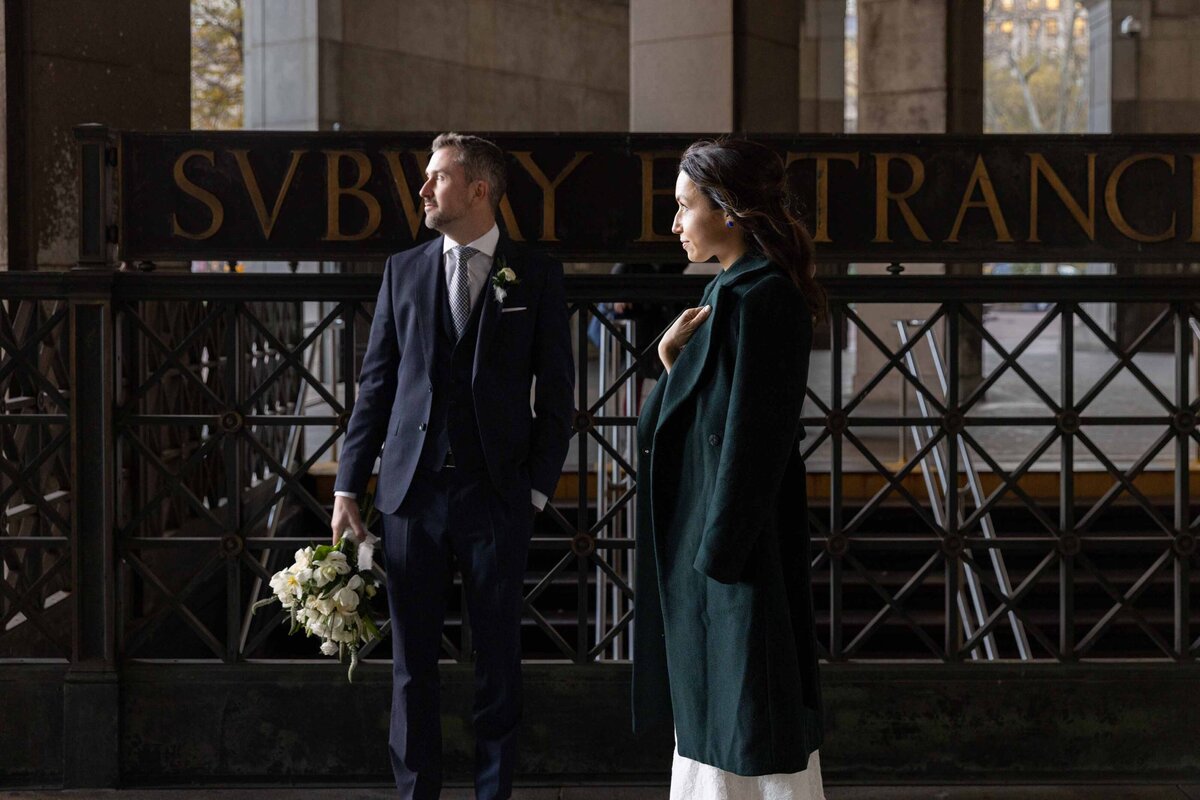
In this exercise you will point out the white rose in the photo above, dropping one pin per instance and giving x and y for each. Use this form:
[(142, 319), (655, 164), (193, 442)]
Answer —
[(507, 275), (293, 586), (279, 586), (329, 648), (303, 558), (318, 626), (338, 562), (323, 575), (346, 599), (326, 606), (355, 583)]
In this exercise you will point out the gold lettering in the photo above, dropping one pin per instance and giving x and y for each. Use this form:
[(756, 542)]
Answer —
[(265, 221), (883, 195), (203, 195), (980, 178), (412, 213), (1195, 237), (822, 234), (649, 192), (334, 192), (510, 220), (1039, 166), (1114, 209), (548, 186)]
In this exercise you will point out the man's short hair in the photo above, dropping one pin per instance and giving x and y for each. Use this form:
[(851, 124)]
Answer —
[(481, 160)]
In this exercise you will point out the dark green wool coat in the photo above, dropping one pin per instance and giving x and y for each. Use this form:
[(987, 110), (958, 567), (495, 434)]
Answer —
[(725, 644)]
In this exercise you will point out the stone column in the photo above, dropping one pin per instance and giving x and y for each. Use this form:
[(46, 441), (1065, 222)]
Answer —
[(66, 62), (430, 65), (920, 71), (823, 67), (1146, 81), (721, 65), (283, 45)]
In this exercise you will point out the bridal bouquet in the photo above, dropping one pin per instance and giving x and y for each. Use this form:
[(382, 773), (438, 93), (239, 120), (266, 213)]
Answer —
[(326, 592)]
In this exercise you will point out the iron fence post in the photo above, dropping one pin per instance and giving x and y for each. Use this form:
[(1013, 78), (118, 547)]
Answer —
[(1184, 424), (1066, 492), (91, 702)]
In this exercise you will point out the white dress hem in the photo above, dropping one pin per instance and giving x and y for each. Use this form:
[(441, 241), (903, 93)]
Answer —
[(692, 780)]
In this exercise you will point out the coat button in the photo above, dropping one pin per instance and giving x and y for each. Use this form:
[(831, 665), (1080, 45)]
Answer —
[(714, 440), (422, 426), (645, 451)]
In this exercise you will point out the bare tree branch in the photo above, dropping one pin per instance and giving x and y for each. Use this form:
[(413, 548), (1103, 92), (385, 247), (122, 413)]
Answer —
[(1023, 76)]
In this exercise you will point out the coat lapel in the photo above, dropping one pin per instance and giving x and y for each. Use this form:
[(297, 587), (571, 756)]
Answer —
[(431, 271), (693, 363), (489, 315), (686, 372)]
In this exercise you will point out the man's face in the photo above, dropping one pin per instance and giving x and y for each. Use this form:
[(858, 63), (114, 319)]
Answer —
[(446, 193)]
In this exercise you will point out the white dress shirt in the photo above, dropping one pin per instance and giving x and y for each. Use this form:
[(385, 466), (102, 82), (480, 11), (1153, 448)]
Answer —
[(478, 268)]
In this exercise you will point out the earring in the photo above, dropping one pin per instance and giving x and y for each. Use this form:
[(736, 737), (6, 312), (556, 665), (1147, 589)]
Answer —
[(729, 223)]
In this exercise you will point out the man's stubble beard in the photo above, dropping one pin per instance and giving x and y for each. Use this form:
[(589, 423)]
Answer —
[(436, 219)]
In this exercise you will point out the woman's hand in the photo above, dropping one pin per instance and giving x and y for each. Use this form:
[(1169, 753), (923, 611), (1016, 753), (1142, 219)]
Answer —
[(679, 333)]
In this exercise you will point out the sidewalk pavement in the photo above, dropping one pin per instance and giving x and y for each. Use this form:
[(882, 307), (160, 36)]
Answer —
[(1022, 792)]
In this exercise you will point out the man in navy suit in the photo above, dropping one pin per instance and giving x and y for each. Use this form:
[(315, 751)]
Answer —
[(463, 326)]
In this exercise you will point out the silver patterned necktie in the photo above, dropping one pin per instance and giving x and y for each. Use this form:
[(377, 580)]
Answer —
[(460, 288)]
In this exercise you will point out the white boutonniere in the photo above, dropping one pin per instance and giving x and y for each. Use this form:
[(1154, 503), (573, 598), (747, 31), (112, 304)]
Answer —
[(502, 279)]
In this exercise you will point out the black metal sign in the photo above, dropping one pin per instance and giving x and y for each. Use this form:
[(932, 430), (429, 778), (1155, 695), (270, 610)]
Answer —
[(353, 196)]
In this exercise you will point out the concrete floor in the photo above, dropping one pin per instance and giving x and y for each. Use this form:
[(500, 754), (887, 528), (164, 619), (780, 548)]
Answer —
[(1023, 792)]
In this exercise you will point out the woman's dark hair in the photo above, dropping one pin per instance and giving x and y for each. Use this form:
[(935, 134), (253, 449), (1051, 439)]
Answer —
[(748, 182)]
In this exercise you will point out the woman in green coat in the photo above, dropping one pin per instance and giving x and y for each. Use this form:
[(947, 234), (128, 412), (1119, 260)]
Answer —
[(725, 647)]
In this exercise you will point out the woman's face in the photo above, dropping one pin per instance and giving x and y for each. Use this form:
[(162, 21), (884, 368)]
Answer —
[(699, 224)]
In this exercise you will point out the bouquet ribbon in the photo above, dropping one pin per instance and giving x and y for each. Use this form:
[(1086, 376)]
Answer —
[(366, 548)]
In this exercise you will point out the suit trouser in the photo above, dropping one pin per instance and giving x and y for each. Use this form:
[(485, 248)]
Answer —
[(456, 513)]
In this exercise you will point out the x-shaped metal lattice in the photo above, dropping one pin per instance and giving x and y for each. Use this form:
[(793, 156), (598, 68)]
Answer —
[(35, 477), (952, 446), (246, 364)]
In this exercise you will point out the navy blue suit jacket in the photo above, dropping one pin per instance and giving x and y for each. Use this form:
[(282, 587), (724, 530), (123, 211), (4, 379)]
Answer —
[(525, 338)]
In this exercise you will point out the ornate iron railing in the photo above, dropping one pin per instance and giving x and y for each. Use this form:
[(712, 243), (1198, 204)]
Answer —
[(155, 478), (35, 475)]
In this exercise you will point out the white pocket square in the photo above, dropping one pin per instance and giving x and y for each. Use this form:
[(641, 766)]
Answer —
[(514, 308)]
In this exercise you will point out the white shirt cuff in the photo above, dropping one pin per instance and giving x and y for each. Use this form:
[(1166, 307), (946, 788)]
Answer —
[(537, 498)]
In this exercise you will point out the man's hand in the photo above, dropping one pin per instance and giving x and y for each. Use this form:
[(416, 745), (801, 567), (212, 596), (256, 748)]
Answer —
[(346, 515)]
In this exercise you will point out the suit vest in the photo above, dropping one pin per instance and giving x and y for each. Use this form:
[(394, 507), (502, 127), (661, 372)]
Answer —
[(452, 423)]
